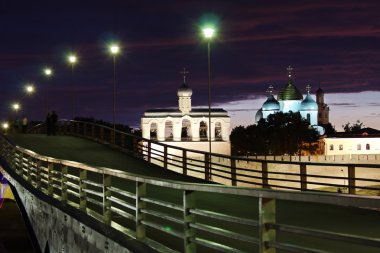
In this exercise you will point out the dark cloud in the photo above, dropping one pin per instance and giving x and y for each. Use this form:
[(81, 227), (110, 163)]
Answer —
[(332, 45)]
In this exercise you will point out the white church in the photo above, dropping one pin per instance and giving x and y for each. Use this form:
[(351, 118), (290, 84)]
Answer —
[(188, 127), (290, 99)]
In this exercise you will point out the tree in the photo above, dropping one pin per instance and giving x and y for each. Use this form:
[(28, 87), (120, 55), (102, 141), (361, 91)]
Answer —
[(354, 127), (280, 133)]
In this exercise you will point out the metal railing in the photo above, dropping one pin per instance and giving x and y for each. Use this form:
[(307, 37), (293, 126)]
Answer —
[(236, 171), (172, 216)]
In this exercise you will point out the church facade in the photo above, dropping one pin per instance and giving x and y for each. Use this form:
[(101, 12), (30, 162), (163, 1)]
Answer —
[(290, 99), (188, 127)]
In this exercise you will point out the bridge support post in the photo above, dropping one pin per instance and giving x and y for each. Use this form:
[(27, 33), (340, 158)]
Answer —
[(38, 174), (264, 171), (233, 171), (303, 177), (267, 216), (28, 169), (351, 179), (64, 170), (149, 151), (102, 134), (207, 167), (93, 131), (188, 218), (82, 190), (84, 129), (165, 157), (50, 167), (140, 204), (184, 162), (106, 201)]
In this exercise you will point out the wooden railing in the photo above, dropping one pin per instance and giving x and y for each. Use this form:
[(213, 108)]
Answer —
[(236, 171), (181, 217)]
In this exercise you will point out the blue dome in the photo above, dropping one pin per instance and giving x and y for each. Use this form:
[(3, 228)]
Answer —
[(259, 115), (271, 104), (308, 104)]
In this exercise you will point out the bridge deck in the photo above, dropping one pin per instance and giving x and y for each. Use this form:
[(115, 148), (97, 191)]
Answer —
[(326, 217), (91, 153)]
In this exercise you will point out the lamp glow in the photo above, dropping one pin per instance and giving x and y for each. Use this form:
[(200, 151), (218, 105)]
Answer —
[(16, 106), (29, 89), (72, 59), (48, 72), (114, 49), (208, 32), (5, 125)]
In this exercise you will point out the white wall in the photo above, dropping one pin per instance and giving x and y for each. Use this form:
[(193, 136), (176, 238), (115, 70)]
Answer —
[(350, 146)]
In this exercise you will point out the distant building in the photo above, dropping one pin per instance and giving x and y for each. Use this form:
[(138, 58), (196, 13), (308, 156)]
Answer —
[(187, 127), (323, 109), (363, 141), (290, 99)]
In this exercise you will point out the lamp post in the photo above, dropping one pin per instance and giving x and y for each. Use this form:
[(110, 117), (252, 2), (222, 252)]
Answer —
[(72, 59), (209, 33), (48, 72), (114, 50)]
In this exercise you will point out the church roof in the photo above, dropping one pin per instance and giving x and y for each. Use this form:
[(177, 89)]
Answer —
[(308, 104), (289, 92), (367, 132), (271, 104)]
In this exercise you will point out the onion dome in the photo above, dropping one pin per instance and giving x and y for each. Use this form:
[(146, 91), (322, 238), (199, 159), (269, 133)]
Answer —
[(308, 104), (290, 92), (259, 115), (184, 91), (271, 104)]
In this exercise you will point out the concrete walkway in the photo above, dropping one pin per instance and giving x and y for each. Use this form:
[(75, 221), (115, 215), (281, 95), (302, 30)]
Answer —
[(92, 153)]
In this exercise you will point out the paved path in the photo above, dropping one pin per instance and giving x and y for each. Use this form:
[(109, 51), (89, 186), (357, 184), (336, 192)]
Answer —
[(92, 153)]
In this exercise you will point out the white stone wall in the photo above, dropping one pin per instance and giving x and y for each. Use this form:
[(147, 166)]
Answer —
[(344, 146)]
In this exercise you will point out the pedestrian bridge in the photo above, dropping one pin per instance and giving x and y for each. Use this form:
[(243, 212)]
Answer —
[(91, 189)]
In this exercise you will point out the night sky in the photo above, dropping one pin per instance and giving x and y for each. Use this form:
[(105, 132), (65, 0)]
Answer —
[(331, 44)]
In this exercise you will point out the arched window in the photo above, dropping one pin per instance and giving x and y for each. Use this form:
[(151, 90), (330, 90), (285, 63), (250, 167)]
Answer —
[(359, 147), (367, 146), (186, 130), (331, 147), (218, 131), (168, 131), (153, 131), (308, 118), (340, 147), (203, 131)]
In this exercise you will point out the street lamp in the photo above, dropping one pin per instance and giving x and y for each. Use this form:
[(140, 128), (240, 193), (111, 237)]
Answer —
[(72, 59), (208, 33), (16, 107), (30, 89), (114, 50), (47, 72)]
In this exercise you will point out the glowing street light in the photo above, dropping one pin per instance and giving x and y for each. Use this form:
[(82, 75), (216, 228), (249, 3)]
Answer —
[(114, 50), (209, 33), (5, 125), (30, 89), (72, 59), (48, 72), (16, 107)]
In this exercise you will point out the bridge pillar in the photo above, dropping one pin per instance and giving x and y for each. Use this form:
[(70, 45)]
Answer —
[(106, 201), (267, 216), (188, 218), (82, 190), (140, 204)]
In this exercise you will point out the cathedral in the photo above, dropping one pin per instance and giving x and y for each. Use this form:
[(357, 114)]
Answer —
[(290, 99), (188, 127)]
